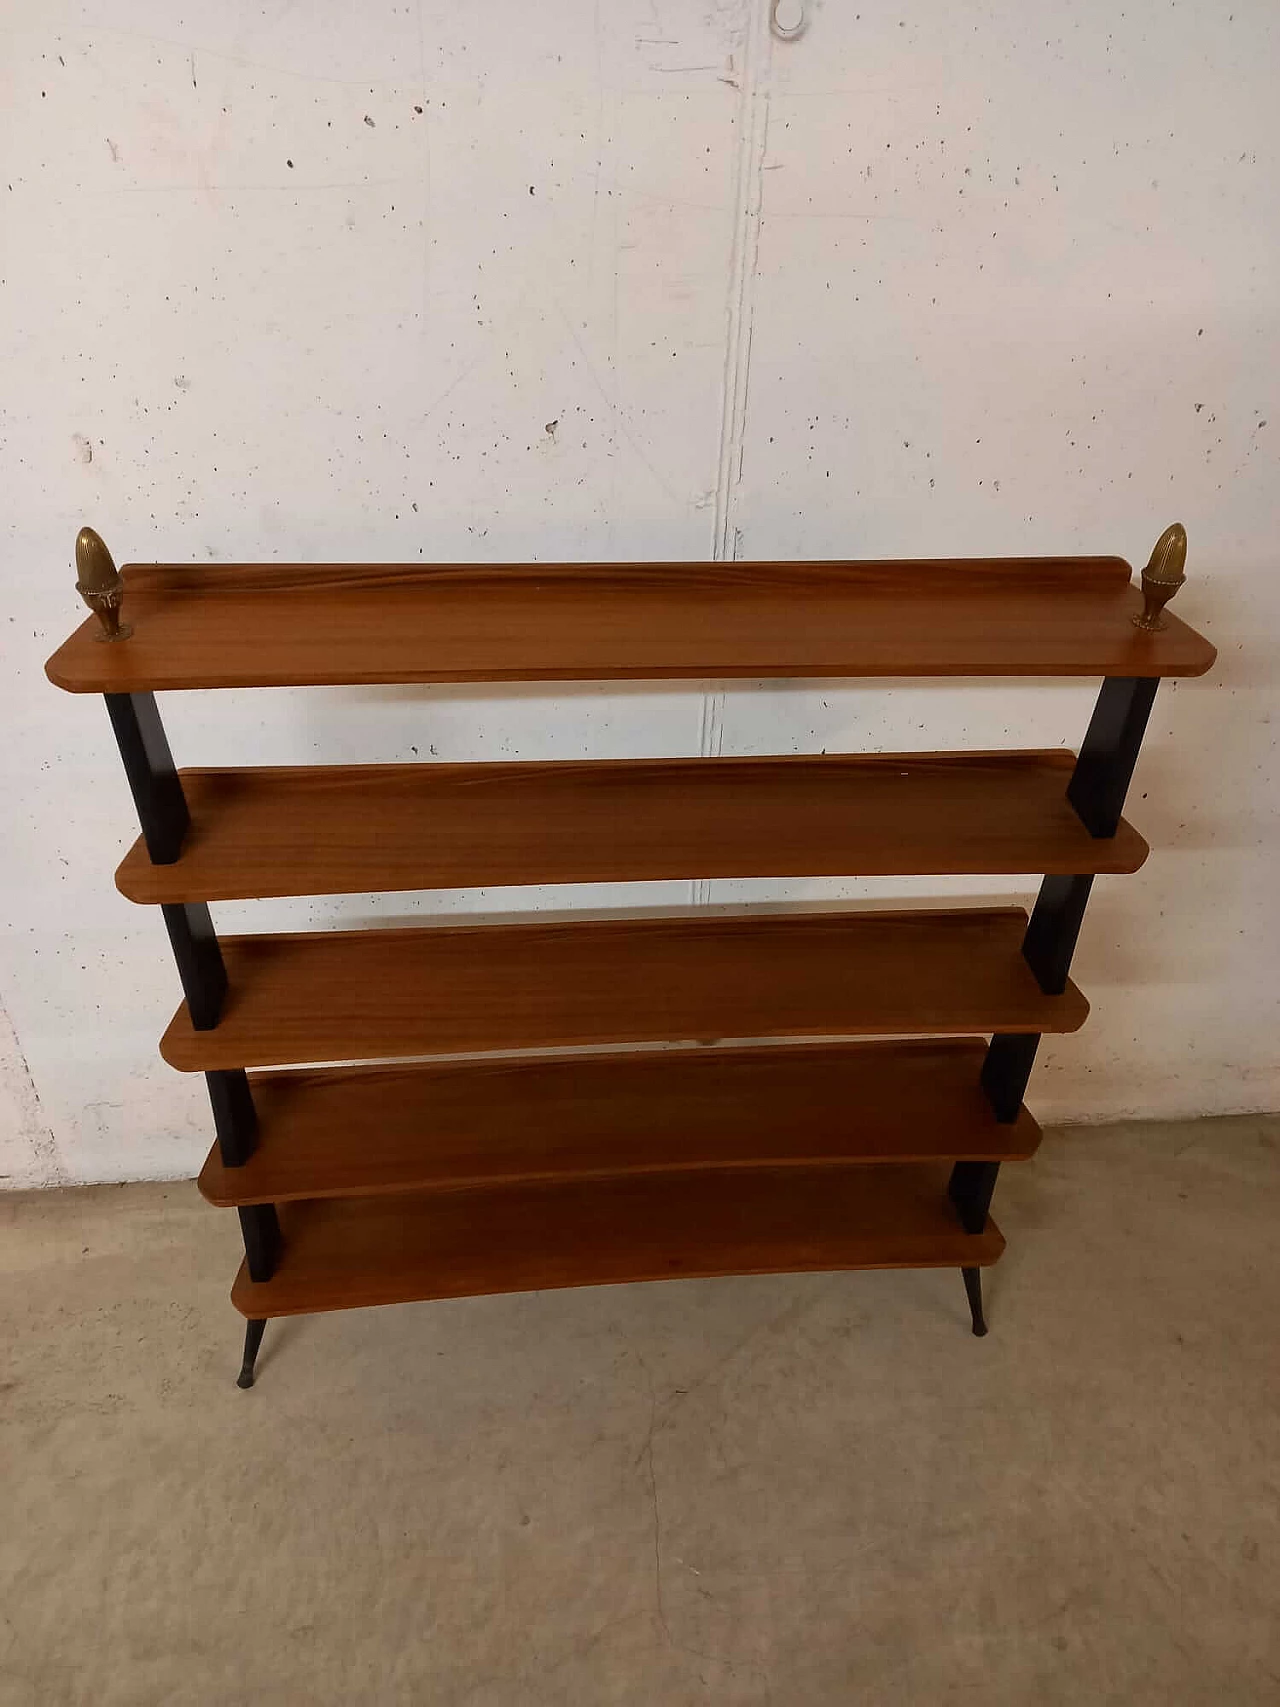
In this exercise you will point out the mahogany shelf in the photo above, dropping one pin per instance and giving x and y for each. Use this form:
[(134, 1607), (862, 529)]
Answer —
[(352, 829), (342, 1253), (488, 1123), (377, 994), (300, 625)]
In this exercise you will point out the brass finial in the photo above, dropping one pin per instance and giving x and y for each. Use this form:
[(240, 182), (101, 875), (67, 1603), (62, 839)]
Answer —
[(100, 585), (1162, 577)]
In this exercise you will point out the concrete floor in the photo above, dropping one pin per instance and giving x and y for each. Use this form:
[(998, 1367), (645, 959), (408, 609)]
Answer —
[(795, 1491)]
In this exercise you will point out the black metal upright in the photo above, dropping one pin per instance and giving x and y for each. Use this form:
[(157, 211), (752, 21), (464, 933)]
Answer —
[(1097, 789), (165, 821), (153, 778), (261, 1229), (235, 1118), (200, 966), (1104, 768)]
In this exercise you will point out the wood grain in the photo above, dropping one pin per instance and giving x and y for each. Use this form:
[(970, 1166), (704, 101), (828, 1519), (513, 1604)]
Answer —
[(341, 1253), (352, 829), (263, 625), (342, 1132), (374, 995)]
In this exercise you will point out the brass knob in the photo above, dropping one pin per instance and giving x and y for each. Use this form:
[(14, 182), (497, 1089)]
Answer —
[(100, 584), (1162, 577)]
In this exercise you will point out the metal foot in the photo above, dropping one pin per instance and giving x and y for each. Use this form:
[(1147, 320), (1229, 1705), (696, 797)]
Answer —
[(973, 1291), (253, 1339)]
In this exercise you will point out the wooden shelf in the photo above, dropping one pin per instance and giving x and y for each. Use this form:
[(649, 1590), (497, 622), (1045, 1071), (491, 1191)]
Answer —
[(269, 625), (374, 995), (344, 1253), (355, 829), (354, 1132)]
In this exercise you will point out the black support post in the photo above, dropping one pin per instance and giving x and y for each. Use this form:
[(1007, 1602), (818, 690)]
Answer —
[(153, 779), (200, 967), (165, 820), (162, 813), (261, 1229), (1053, 929), (972, 1184), (1006, 1071), (234, 1115), (1097, 791), (1103, 770)]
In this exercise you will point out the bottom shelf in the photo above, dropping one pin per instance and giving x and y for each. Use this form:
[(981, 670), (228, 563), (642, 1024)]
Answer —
[(343, 1253)]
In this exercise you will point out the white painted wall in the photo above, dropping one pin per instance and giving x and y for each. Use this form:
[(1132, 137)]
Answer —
[(932, 279)]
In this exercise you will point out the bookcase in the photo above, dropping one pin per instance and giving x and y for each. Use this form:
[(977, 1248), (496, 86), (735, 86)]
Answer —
[(428, 1113)]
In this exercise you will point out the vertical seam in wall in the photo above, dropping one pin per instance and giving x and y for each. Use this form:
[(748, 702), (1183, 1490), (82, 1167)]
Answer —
[(748, 182)]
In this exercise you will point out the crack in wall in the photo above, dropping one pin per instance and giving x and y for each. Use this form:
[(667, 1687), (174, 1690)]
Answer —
[(41, 1165)]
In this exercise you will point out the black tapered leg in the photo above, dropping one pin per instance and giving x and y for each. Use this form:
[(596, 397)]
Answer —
[(973, 1291), (252, 1340), (153, 778), (1104, 768), (972, 1184), (234, 1115), (261, 1228)]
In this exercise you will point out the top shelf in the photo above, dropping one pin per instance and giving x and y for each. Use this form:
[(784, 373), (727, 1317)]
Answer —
[(273, 625)]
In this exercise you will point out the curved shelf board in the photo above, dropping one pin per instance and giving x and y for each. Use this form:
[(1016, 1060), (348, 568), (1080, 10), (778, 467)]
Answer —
[(381, 994), (345, 1253), (273, 625), (353, 1132), (356, 829)]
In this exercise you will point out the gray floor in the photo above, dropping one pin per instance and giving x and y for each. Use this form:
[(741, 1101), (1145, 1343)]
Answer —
[(791, 1491)]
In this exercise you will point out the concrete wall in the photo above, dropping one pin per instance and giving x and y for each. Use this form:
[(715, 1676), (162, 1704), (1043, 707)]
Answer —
[(626, 281)]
